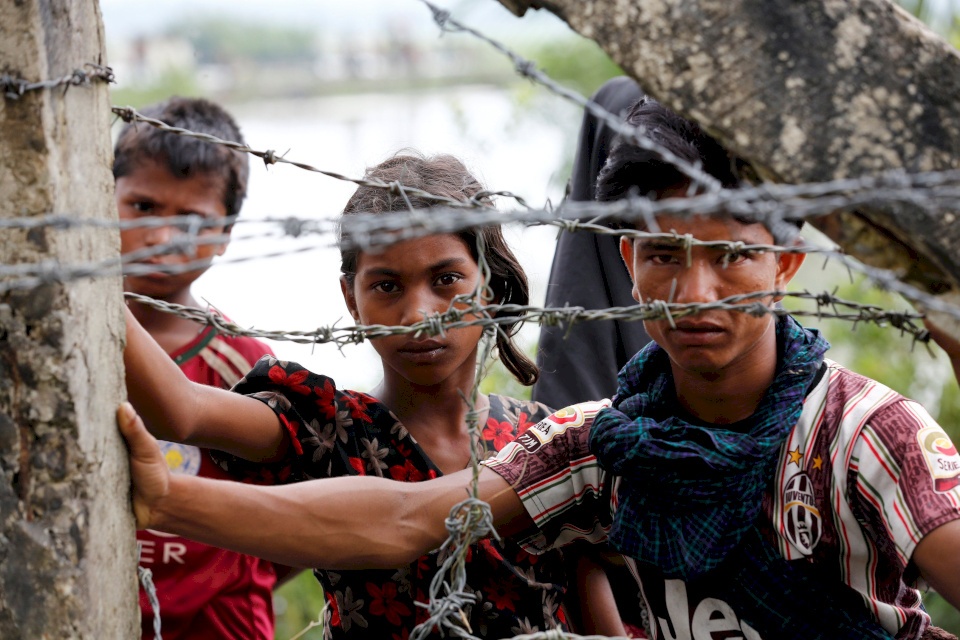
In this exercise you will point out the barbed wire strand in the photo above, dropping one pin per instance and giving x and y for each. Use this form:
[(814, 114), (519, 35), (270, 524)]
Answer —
[(269, 157), (146, 579), (528, 69), (493, 315), (14, 88), (936, 192), (470, 520), (313, 623)]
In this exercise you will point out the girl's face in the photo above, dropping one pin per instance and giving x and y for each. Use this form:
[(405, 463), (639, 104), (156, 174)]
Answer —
[(403, 284)]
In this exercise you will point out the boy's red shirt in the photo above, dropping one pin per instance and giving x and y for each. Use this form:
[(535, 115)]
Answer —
[(206, 592)]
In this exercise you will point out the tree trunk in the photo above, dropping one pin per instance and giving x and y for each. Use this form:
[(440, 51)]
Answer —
[(67, 549), (805, 91)]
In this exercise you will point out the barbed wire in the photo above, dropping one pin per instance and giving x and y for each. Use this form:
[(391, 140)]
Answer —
[(493, 315), (528, 69), (187, 244), (146, 580), (935, 192), (269, 157), (769, 204), (13, 88), (773, 205), (35, 274), (469, 522), (30, 275)]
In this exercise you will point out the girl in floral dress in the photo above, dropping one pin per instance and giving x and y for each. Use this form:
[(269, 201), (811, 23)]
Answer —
[(283, 423)]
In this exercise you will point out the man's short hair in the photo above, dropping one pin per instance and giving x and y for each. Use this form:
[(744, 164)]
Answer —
[(630, 169), (186, 157)]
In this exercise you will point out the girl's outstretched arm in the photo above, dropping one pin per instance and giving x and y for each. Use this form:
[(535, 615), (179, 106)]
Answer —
[(345, 523), (176, 409)]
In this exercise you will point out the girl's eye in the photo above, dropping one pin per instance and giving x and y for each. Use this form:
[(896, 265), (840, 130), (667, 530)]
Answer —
[(386, 287), (449, 279)]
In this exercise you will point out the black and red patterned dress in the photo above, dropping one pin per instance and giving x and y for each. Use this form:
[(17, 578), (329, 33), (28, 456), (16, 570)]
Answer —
[(346, 433)]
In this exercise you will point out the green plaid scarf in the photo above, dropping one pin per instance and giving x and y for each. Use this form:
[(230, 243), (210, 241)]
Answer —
[(690, 492)]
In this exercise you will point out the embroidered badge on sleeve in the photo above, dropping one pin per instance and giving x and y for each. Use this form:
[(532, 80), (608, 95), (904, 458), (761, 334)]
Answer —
[(941, 457)]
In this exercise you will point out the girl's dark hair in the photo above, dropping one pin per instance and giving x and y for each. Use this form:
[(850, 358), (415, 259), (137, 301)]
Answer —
[(444, 175)]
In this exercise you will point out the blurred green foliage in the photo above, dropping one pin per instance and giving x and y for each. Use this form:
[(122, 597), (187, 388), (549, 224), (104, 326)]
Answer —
[(501, 382), (573, 61), (296, 604)]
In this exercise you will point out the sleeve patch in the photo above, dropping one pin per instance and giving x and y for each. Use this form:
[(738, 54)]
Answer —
[(941, 457)]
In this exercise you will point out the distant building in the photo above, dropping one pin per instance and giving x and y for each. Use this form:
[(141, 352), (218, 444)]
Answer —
[(145, 60)]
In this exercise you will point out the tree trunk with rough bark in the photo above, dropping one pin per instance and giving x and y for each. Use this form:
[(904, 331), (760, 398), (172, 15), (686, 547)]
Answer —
[(805, 91), (67, 546)]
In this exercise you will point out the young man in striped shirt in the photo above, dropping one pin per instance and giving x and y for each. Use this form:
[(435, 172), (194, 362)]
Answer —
[(758, 489)]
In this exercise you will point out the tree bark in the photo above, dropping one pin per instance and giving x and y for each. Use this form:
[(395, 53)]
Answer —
[(805, 91), (67, 548)]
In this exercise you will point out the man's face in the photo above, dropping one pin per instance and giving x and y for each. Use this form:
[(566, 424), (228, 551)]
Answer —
[(708, 342), (151, 190)]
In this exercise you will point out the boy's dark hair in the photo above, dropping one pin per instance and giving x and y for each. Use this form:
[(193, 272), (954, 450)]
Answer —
[(187, 157), (444, 175), (631, 169)]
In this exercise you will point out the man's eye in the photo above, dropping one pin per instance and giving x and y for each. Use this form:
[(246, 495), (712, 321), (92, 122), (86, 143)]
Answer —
[(143, 207), (663, 258), (736, 256)]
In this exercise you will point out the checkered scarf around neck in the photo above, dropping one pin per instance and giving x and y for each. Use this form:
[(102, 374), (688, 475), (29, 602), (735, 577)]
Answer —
[(689, 492)]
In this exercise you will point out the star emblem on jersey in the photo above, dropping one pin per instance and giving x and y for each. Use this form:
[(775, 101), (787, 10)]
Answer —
[(796, 456), (801, 521), (818, 463)]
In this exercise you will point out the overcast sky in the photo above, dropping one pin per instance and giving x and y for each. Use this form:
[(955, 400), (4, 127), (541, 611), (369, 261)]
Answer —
[(125, 18)]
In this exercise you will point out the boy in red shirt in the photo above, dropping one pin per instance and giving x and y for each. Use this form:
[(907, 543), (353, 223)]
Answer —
[(203, 591)]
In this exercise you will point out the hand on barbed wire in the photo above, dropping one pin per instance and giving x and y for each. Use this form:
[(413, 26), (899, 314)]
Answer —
[(149, 472)]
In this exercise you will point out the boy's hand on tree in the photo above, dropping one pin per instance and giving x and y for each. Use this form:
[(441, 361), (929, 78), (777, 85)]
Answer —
[(148, 469)]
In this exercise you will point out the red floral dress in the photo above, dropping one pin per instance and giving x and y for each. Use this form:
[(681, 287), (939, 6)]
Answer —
[(345, 433)]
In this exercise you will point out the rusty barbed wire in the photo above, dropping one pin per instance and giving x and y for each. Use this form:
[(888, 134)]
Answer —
[(13, 88), (50, 271), (528, 69), (493, 315), (934, 192), (269, 157), (367, 232), (61, 222), (186, 244), (773, 205)]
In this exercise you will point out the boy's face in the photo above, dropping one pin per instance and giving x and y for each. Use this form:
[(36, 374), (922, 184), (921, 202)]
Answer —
[(151, 190), (709, 341)]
